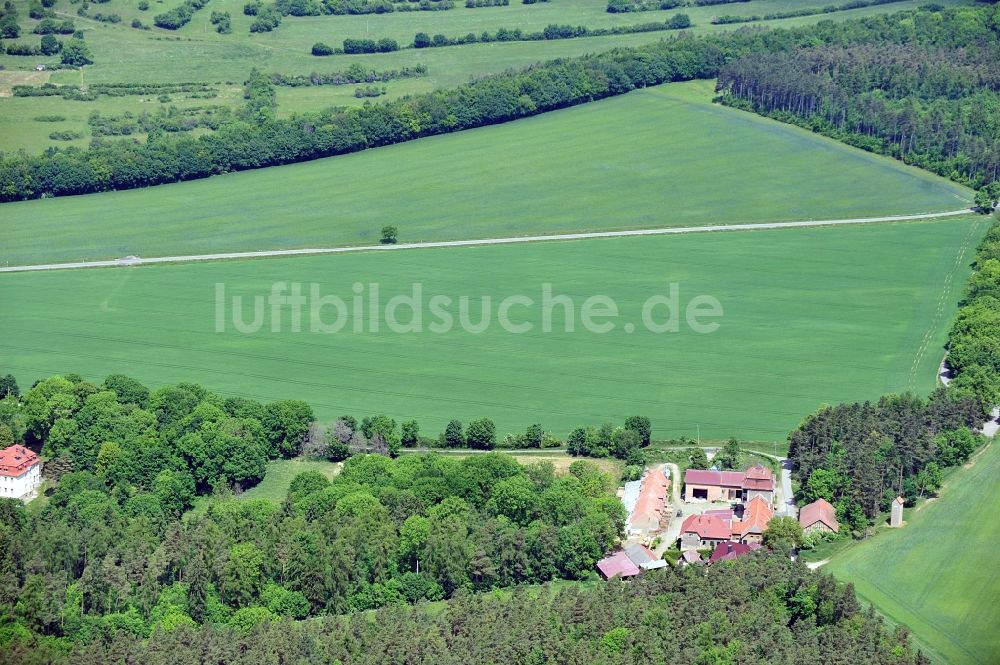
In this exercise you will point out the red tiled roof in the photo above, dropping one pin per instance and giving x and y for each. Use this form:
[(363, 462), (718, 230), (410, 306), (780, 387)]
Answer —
[(709, 477), (724, 514), (649, 505), (706, 526), (759, 477), (819, 510), (617, 564), (756, 515), (691, 556), (759, 471), (730, 551), (15, 460)]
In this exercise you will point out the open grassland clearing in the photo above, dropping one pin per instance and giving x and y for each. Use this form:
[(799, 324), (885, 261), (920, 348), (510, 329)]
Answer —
[(937, 574), (811, 316), (278, 477), (659, 157), (280, 474), (197, 54)]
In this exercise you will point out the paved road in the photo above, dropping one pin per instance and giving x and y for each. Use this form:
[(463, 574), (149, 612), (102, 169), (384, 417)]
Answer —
[(474, 243), (788, 506)]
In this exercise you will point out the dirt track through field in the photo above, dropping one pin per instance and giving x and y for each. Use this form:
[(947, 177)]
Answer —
[(111, 263)]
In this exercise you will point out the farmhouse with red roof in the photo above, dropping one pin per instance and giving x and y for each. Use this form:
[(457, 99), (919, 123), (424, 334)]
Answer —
[(700, 531), (711, 485), (651, 507), (756, 515), (819, 516), (20, 473)]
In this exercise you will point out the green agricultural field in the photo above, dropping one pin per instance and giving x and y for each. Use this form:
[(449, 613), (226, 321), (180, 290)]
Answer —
[(809, 319), (937, 575), (196, 53), (659, 157)]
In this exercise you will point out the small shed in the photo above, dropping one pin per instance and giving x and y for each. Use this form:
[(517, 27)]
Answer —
[(896, 515), (618, 564), (690, 557)]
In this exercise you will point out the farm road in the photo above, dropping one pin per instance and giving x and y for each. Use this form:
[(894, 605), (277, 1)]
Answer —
[(111, 263)]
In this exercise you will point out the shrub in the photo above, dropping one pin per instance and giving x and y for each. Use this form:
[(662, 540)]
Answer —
[(267, 20), (319, 48), (360, 46), (76, 53), (50, 45), (65, 136), (23, 49)]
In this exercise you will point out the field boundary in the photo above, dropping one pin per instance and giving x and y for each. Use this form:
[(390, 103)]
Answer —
[(136, 261)]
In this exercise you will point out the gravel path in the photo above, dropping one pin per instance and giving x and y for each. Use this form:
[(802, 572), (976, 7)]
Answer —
[(991, 426), (474, 243)]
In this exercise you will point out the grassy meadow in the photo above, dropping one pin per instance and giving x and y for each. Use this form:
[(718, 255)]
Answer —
[(280, 474), (937, 575), (652, 158), (195, 53), (809, 319)]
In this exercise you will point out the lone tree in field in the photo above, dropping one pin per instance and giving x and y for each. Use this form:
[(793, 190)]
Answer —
[(389, 235)]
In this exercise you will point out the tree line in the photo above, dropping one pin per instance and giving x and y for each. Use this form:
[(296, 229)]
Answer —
[(551, 31), (728, 19), (974, 340), (356, 73), (786, 614), (259, 139), (625, 6)]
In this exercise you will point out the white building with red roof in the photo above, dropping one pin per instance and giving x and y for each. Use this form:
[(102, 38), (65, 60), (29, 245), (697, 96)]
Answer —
[(20, 473)]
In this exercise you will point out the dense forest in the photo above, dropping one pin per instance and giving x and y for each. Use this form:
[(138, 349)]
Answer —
[(101, 557), (177, 441), (762, 608), (255, 137), (936, 106), (861, 456)]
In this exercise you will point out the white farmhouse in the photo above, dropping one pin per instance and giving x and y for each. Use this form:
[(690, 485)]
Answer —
[(20, 473)]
